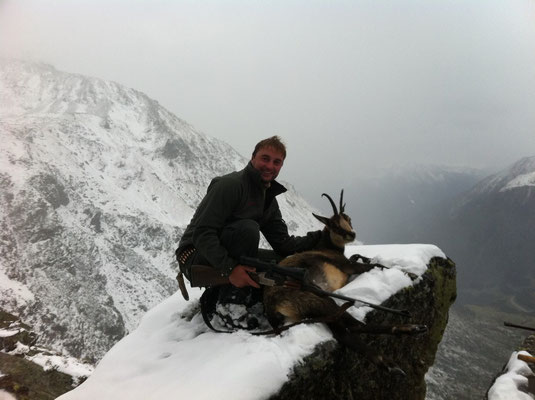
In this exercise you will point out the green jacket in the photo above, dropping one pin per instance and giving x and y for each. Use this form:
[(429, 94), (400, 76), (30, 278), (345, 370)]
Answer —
[(235, 196)]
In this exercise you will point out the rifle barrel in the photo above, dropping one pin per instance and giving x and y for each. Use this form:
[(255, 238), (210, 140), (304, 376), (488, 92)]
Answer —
[(509, 324), (526, 358), (403, 313)]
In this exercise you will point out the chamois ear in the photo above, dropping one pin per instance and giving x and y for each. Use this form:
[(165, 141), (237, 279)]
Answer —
[(323, 220)]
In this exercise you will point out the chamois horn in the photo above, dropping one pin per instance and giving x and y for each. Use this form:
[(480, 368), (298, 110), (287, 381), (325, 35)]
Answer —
[(342, 205), (332, 203)]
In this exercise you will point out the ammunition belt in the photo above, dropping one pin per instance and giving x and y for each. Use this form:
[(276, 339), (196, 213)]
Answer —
[(185, 254)]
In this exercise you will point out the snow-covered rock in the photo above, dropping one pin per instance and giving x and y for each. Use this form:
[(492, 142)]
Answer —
[(172, 354), (513, 384)]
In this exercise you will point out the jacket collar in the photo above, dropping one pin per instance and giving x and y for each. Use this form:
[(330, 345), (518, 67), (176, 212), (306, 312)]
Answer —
[(276, 188)]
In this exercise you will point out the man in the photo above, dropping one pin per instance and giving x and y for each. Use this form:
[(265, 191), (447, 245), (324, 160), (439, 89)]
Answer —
[(236, 208)]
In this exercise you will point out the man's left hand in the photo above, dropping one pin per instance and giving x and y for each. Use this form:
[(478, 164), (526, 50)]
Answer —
[(240, 277)]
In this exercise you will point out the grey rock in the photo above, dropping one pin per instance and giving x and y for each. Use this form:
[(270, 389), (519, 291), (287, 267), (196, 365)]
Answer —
[(334, 372)]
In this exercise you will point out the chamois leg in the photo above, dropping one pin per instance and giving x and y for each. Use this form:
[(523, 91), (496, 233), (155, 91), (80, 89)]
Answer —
[(291, 305), (358, 264), (355, 326), (397, 330), (347, 329), (355, 266)]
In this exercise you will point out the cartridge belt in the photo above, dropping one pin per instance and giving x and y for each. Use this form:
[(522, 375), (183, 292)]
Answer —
[(185, 254)]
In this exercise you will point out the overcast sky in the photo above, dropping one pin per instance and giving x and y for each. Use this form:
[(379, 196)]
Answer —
[(350, 85)]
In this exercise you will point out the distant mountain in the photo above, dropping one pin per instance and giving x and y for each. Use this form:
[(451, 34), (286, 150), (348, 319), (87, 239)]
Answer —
[(494, 225), (97, 184), (404, 204), (485, 224)]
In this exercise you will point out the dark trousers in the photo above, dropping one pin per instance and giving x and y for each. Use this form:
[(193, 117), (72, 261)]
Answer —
[(240, 238)]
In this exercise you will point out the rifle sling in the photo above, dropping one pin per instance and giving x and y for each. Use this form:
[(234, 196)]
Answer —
[(182, 285)]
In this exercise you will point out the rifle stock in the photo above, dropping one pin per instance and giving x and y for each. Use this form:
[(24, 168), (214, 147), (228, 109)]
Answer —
[(204, 276)]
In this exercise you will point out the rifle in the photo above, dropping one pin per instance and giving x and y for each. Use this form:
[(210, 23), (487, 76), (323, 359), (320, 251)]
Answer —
[(272, 274), (525, 358), (509, 324)]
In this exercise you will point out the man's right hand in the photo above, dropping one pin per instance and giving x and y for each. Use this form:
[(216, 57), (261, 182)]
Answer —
[(239, 276)]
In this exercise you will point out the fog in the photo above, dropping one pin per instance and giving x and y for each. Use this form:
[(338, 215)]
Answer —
[(351, 86)]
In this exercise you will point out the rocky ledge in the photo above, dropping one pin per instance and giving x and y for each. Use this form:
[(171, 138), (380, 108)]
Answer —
[(334, 372)]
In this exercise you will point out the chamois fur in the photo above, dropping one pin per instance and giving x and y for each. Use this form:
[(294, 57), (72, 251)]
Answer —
[(329, 269)]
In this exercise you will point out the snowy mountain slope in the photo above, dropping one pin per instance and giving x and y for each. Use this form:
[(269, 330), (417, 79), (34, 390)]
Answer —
[(497, 217), (98, 182), (520, 175)]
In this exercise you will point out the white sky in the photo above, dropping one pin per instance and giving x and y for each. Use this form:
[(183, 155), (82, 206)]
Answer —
[(350, 85)]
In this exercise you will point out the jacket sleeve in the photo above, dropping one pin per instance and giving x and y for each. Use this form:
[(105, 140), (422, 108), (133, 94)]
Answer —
[(276, 232), (222, 197)]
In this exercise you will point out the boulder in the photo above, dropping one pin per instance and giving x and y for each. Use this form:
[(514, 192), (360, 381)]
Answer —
[(334, 372)]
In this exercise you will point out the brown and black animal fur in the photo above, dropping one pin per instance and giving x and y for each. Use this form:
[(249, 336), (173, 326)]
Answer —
[(328, 268)]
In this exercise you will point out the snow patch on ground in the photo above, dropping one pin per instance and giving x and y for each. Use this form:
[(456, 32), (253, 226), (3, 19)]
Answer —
[(513, 384), (10, 289), (6, 395), (67, 365)]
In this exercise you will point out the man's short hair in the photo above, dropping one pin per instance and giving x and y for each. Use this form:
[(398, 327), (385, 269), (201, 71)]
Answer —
[(274, 142)]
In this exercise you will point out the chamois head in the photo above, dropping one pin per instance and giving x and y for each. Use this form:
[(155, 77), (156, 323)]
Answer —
[(339, 225)]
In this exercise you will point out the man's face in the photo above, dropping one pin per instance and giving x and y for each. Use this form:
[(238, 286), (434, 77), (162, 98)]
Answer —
[(268, 162)]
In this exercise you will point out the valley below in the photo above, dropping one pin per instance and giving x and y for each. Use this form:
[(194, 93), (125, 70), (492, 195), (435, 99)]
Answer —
[(475, 347)]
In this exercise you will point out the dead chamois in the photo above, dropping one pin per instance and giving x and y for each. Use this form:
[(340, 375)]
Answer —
[(329, 269)]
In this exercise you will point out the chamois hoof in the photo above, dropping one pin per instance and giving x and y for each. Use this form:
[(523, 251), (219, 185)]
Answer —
[(412, 276), (390, 367), (409, 329), (397, 372), (355, 258)]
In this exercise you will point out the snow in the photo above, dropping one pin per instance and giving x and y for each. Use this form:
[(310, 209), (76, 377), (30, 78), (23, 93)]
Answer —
[(172, 353), (65, 364), (510, 385), (8, 332), (520, 174), (59, 362), (13, 289), (6, 395), (520, 181)]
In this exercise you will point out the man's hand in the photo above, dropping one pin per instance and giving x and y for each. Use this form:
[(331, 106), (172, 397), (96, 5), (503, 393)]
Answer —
[(239, 277)]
